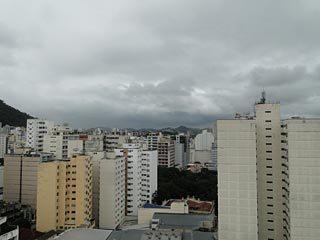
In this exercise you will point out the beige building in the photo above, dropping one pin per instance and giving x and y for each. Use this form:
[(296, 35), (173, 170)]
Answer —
[(237, 179), (302, 149), (269, 172), (112, 191), (287, 175), (20, 178), (64, 194)]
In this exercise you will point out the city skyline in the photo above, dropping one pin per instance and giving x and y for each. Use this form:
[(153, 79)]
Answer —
[(129, 64)]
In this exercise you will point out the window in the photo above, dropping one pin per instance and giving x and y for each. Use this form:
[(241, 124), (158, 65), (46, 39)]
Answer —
[(267, 111), (268, 121), (268, 128)]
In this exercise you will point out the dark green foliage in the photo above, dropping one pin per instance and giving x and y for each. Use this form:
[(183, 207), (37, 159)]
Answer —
[(11, 116), (173, 183)]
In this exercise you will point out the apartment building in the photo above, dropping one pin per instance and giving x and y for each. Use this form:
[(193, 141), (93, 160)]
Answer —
[(36, 129), (96, 159), (153, 140), (166, 154), (64, 194), (287, 171), (3, 144), (301, 151), (149, 175), (112, 190), (237, 179), (20, 177)]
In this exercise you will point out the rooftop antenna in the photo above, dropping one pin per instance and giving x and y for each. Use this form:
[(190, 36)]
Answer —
[(263, 97)]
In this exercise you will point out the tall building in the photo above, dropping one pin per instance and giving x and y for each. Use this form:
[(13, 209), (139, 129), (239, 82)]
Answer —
[(166, 152), (96, 159), (3, 144), (153, 140), (64, 194), (141, 176), (203, 141), (301, 149), (269, 170), (237, 179), (20, 177), (112, 191), (36, 129), (287, 171), (149, 175)]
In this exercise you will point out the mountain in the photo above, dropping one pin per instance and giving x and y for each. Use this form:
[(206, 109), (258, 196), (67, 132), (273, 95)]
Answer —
[(11, 116)]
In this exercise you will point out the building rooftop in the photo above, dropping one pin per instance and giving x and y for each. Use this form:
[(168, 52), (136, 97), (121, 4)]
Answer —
[(85, 234), (149, 205), (160, 235), (182, 221)]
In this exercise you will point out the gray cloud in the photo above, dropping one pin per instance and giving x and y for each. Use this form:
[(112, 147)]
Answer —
[(142, 64)]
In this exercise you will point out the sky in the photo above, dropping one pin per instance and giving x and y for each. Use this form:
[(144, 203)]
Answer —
[(158, 63)]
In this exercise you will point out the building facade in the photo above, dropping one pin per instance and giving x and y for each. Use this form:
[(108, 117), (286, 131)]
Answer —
[(36, 129), (237, 180), (64, 194)]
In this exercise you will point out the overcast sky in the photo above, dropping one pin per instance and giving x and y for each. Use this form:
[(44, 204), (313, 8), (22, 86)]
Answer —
[(156, 63)]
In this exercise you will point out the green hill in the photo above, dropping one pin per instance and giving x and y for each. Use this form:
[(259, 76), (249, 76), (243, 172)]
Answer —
[(11, 116)]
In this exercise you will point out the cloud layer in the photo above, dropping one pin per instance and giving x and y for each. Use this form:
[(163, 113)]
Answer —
[(158, 63)]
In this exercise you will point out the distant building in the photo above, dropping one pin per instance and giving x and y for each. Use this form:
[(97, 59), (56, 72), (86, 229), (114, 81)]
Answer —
[(153, 140), (203, 141), (166, 154), (36, 129), (64, 194), (141, 176)]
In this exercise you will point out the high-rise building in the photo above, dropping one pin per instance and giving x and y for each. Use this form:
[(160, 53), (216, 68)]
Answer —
[(166, 152), (64, 194), (301, 151), (3, 144), (153, 140), (237, 179), (112, 190), (36, 129), (20, 177), (287, 167), (269, 171), (141, 176)]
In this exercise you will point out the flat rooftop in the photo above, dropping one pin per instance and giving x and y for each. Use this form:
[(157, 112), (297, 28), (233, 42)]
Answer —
[(85, 234)]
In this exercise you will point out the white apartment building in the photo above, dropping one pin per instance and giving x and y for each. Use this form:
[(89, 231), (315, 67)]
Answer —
[(141, 176), (53, 143), (3, 144), (133, 156), (203, 141), (237, 180), (153, 140), (149, 175), (112, 191), (36, 129)]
